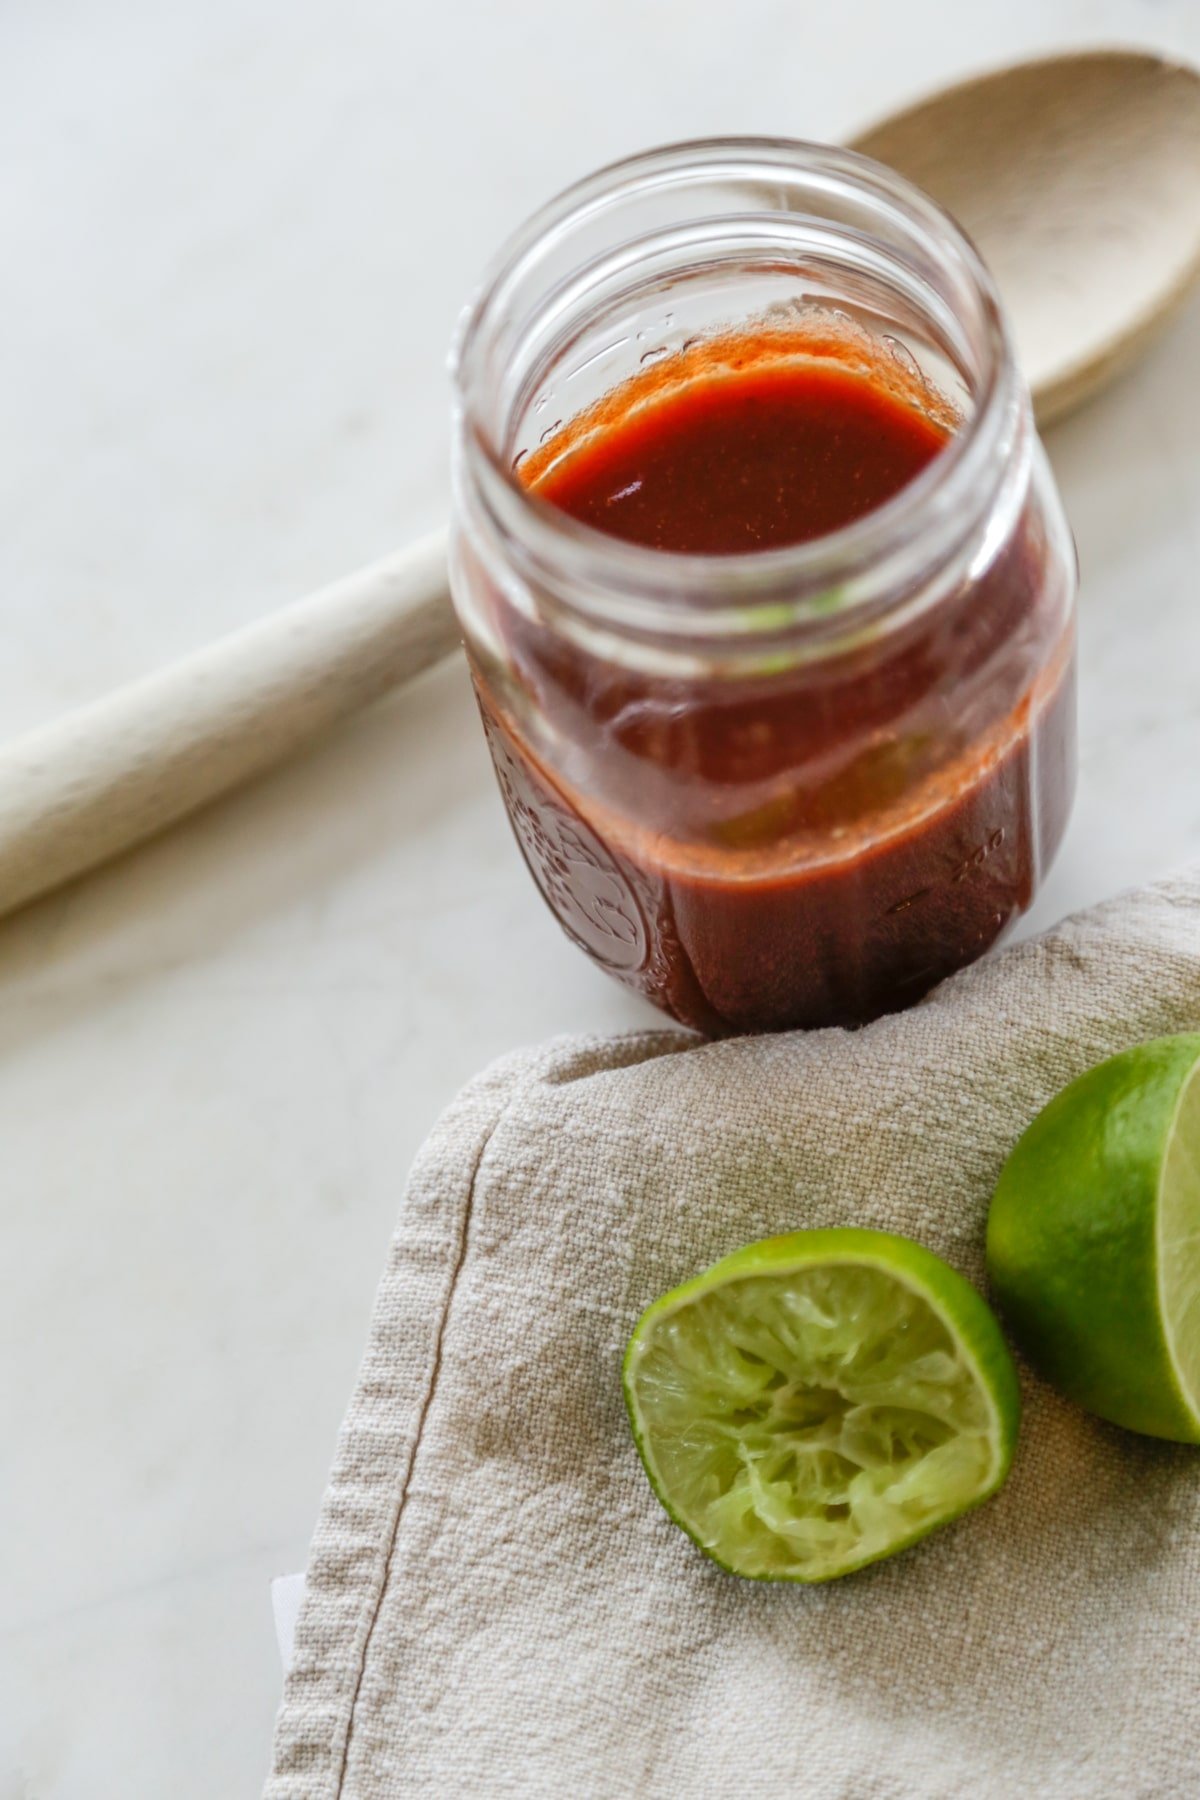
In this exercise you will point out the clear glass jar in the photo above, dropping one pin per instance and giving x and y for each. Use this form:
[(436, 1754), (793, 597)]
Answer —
[(799, 786)]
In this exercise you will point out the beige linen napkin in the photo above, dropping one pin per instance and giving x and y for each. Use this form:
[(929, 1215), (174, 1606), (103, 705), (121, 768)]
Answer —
[(496, 1603)]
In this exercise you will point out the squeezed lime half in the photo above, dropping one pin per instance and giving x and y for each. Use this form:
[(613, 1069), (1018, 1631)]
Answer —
[(1094, 1239), (818, 1401)]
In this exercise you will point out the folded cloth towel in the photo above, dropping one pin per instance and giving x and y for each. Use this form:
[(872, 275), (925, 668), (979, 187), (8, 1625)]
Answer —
[(497, 1604)]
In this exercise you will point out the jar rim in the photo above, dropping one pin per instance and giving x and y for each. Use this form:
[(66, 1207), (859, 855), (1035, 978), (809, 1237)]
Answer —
[(639, 588)]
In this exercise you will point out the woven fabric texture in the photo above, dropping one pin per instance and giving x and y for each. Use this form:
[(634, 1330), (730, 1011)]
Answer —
[(496, 1603)]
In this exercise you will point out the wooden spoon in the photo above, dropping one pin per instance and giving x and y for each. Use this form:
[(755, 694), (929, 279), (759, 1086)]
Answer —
[(1078, 177), (1079, 180)]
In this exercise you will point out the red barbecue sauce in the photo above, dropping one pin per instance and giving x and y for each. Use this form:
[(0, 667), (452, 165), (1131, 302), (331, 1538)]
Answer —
[(807, 848)]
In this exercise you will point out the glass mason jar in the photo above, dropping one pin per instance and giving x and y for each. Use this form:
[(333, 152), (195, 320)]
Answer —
[(797, 786)]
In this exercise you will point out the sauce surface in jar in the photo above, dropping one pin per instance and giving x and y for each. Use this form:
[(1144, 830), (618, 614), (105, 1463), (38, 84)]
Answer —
[(810, 845), (779, 453)]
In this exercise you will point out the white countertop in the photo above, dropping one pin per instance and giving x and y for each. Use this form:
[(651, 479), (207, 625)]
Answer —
[(236, 237)]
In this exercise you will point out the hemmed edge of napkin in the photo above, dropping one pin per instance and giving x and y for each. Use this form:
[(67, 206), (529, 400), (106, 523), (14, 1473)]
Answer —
[(355, 1537)]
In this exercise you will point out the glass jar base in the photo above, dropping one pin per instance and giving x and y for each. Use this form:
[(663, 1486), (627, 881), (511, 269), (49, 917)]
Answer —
[(839, 944)]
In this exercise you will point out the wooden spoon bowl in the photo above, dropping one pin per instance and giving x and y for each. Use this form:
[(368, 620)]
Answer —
[(1079, 179)]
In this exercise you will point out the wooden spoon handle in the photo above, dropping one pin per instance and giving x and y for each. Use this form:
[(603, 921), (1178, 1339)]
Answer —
[(87, 786)]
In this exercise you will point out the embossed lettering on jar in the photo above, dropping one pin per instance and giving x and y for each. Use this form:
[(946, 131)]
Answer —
[(772, 624)]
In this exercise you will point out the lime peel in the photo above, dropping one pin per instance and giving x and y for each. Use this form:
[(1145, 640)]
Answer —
[(1093, 1239)]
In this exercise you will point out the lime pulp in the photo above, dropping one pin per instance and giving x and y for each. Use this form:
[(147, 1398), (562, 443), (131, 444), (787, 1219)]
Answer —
[(821, 1400)]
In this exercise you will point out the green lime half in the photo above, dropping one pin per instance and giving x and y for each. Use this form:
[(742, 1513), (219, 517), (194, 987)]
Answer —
[(1094, 1239), (817, 1401)]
